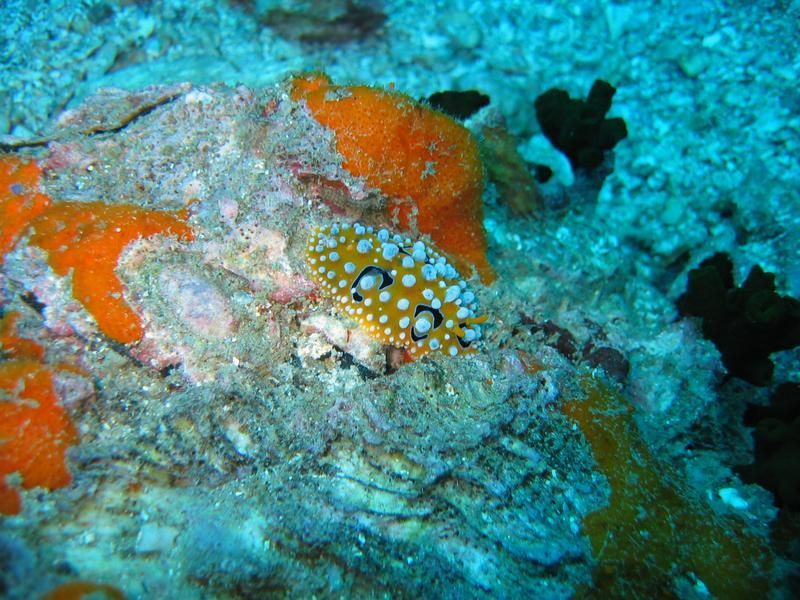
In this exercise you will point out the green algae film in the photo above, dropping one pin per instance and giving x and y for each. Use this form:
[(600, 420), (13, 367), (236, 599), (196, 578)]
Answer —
[(653, 530)]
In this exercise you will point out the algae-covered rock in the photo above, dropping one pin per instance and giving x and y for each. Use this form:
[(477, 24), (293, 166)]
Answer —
[(249, 436), (243, 413)]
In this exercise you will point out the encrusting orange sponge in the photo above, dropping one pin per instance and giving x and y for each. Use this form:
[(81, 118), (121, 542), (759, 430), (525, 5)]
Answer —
[(425, 161), (35, 431), (87, 239), (20, 199)]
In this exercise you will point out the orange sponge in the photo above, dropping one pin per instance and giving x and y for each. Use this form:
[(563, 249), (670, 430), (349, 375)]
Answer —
[(20, 199), (425, 161), (87, 238), (34, 431)]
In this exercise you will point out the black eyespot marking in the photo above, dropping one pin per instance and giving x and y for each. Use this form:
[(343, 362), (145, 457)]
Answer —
[(461, 341), (435, 313), (386, 281), (437, 320)]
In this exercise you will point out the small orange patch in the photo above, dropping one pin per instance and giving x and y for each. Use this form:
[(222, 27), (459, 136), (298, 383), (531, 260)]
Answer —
[(20, 199), (35, 431), (14, 346), (427, 162), (87, 239), (531, 365), (77, 590)]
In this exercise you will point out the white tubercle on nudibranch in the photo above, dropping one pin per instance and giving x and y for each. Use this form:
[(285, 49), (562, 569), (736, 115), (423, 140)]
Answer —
[(402, 292)]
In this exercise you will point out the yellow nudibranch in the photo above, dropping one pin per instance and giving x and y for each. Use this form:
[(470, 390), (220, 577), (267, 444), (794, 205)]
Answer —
[(401, 292)]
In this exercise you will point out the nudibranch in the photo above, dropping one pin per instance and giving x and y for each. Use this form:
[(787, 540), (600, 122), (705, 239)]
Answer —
[(401, 292)]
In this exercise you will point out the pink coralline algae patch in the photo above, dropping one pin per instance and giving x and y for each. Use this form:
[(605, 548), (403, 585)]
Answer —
[(354, 341), (258, 254), (290, 288), (198, 303), (228, 210)]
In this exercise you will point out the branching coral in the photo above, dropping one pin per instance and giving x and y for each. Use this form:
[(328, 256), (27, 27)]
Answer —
[(746, 323)]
